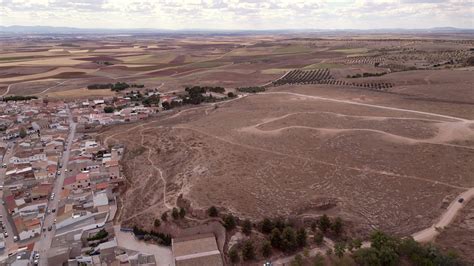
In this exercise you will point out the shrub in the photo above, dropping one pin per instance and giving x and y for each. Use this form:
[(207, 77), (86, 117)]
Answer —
[(318, 238), (182, 212), (175, 213), (301, 237), (234, 256), (157, 223), (248, 251), (247, 227), (267, 226), (229, 222), (266, 249), (324, 223), (164, 216), (212, 211)]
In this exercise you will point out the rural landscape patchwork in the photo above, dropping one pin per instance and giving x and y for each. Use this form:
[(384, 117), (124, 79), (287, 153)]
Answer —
[(335, 147)]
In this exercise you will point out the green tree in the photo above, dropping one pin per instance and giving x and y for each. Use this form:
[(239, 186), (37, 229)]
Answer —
[(275, 238), (367, 257), (247, 227), (182, 212), (266, 249), (108, 109), (324, 223), (337, 226), (318, 238), (301, 237), (234, 256), (212, 211), (356, 243), (297, 261), (267, 226), (248, 251), (318, 260), (339, 249), (314, 225), (289, 242), (22, 133), (229, 222), (230, 94), (175, 213), (164, 217), (157, 223)]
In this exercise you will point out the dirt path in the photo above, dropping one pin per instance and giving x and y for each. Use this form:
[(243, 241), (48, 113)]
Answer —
[(7, 91), (446, 218), (370, 105)]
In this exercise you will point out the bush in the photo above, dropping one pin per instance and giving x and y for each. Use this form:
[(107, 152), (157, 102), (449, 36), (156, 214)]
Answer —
[(275, 238), (234, 256), (266, 226), (229, 222), (247, 227), (18, 98), (266, 249), (231, 95), (339, 249), (157, 223), (318, 238), (182, 212), (337, 226), (289, 242), (108, 109), (324, 223), (251, 89), (175, 213), (99, 235), (164, 216), (248, 251), (212, 211), (301, 237)]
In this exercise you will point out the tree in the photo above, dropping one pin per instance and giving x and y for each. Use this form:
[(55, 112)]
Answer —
[(318, 238), (379, 239), (175, 213), (164, 217), (318, 260), (157, 223), (298, 261), (337, 226), (275, 238), (229, 222), (324, 223), (266, 249), (301, 237), (248, 251), (356, 243), (247, 227), (166, 105), (289, 242), (234, 256), (22, 133), (339, 249), (212, 211), (267, 226), (314, 225), (230, 95), (108, 109), (367, 257), (182, 212)]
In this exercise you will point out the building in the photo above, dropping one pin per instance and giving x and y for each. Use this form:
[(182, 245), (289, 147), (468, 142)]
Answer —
[(196, 250)]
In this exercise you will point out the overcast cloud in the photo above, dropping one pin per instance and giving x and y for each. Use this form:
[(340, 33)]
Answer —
[(239, 14)]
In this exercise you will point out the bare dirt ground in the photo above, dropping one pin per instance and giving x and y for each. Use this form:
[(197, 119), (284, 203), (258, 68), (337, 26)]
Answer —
[(280, 154), (458, 236)]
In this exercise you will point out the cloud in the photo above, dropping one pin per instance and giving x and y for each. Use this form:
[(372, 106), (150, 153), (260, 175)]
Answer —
[(239, 14)]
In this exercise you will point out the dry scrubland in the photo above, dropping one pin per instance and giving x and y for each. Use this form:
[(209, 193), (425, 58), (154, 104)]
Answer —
[(299, 150), (286, 152)]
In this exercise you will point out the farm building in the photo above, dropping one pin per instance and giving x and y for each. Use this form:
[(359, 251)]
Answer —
[(196, 250)]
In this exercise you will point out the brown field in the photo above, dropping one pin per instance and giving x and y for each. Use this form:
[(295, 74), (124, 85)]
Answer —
[(388, 157)]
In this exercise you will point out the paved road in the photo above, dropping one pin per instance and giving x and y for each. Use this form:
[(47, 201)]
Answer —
[(44, 243), (9, 244)]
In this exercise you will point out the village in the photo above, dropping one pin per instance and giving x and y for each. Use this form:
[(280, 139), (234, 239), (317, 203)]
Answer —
[(59, 185)]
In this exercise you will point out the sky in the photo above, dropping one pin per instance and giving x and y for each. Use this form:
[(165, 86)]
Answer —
[(239, 14)]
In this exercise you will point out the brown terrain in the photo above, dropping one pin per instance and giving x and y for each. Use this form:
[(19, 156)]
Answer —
[(386, 152)]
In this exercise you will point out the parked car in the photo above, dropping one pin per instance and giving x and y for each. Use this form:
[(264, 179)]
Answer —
[(5, 234), (15, 238), (50, 228)]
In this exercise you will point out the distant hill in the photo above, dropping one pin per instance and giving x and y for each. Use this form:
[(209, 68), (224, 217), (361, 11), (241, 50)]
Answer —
[(71, 30)]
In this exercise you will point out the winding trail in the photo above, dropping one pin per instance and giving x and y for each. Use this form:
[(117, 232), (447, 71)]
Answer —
[(369, 105)]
